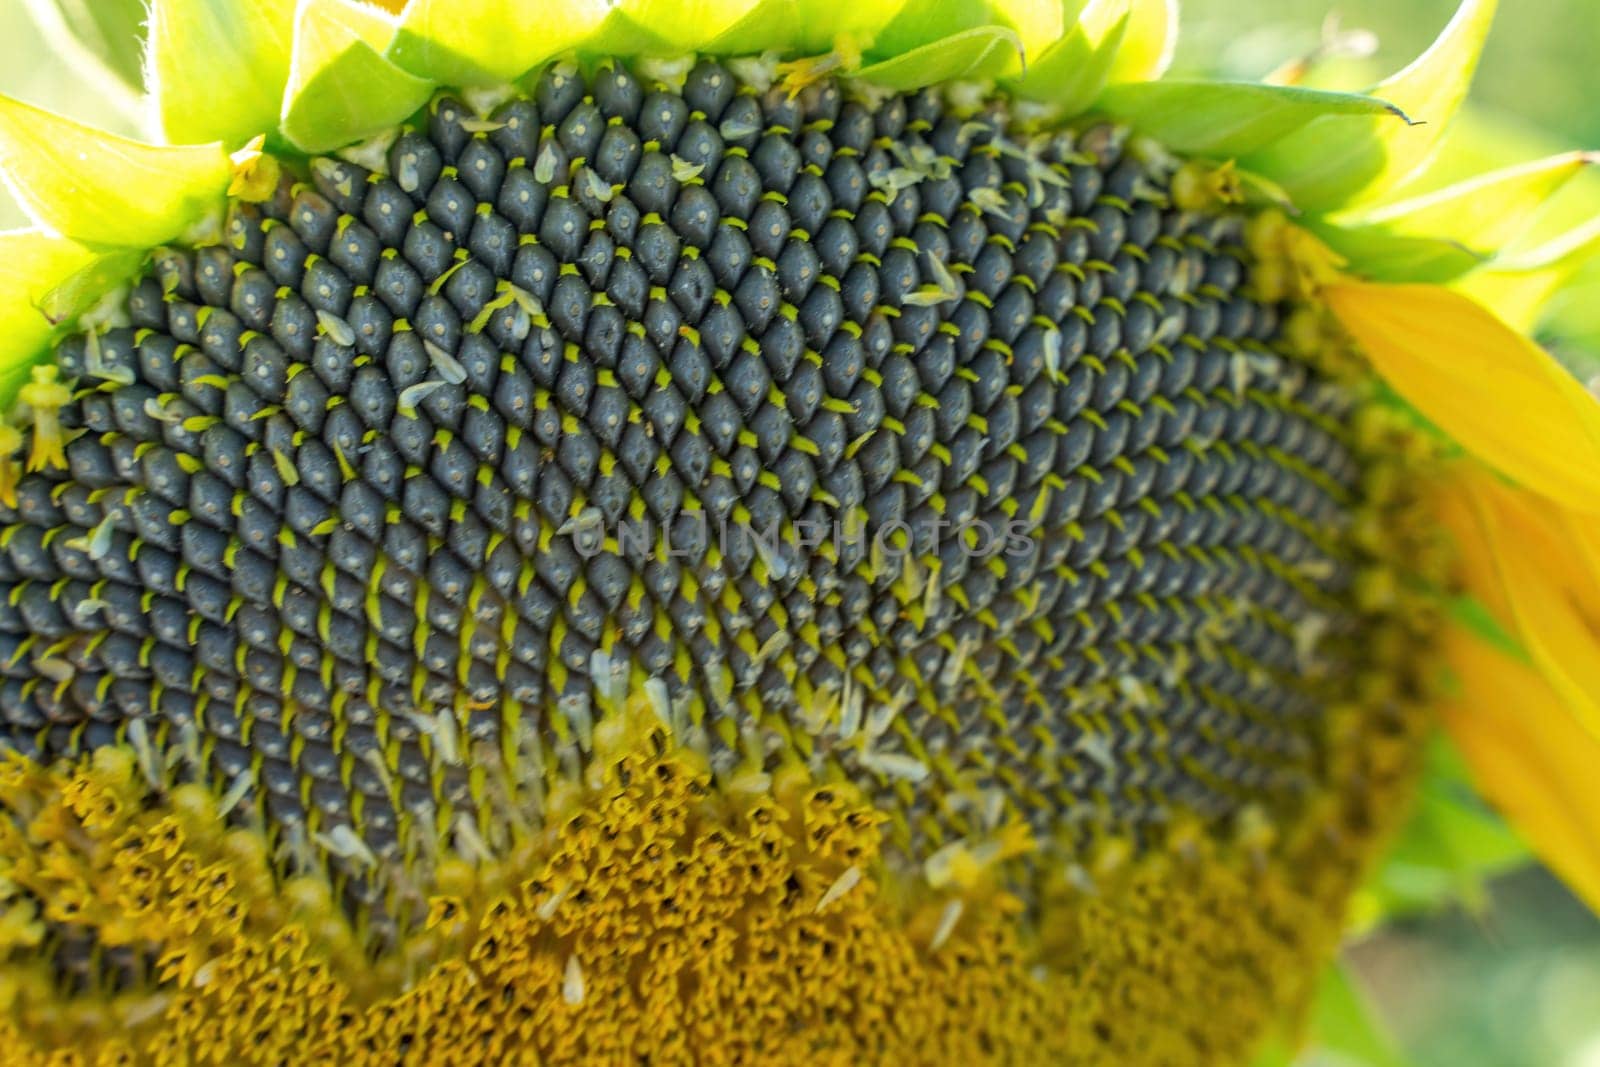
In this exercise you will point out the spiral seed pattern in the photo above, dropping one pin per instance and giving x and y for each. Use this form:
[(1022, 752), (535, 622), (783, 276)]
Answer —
[(885, 439)]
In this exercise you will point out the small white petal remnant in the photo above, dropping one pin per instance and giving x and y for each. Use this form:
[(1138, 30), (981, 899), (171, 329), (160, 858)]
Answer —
[(895, 765), (597, 186), (544, 167), (336, 328), (947, 924), (1052, 351), (572, 982), (449, 368), (344, 842), (412, 395), (660, 700), (547, 910), (841, 885), (684, 171)]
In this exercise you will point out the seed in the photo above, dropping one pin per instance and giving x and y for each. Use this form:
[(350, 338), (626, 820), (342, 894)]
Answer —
[(382, 449)]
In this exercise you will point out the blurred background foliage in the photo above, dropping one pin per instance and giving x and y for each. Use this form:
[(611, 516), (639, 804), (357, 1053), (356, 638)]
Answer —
[(1535, 95), (1464, 954)]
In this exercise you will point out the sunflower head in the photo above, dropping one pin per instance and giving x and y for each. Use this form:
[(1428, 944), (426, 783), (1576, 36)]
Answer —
[(753, 530)]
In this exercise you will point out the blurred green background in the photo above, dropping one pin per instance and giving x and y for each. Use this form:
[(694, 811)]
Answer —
[(1539, 67), (1505, 972), (1457, 967), (1509, 976)]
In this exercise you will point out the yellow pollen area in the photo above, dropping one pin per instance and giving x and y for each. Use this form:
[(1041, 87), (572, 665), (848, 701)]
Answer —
[(255, 174), (1201, 185), (662, 919), (45, 395), (795, 76), (1290, 262)]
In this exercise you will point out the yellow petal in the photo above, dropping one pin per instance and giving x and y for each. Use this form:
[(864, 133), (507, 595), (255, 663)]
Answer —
[(1457, 511), (1521, 556), (1500, 396), (1520, 288), (1530, 757)]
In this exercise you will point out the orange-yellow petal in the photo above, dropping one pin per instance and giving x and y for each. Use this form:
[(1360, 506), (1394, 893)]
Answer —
[(1497, 393), (1520, 556), (1530, 757)]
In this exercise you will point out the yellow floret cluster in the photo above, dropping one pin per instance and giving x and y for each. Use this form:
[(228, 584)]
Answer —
[(663, 921)]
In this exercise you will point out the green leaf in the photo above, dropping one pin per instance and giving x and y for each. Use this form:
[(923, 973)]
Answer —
[(1489, 212), (217, 68), (1072, 72), (341, 88), (1147, 48), (1451, 845), (972, 54), (1381, 255), (1230, 119), (489, 42), (32, 263), (1344, 1023), (1519, 289), (81, 290), (1338, 159), (99, 189), (1341, 1029), (112, 31)]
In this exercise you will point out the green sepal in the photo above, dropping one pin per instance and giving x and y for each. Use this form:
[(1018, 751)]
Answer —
[(32, 263), (1226, 120), (1073, 71), (1382, 255), (341, 88), (1040, 23), (489, 42), (1036, 24), (103, 190), (922, 22), (83, 288), (1519, 288), (971, 54), (664, 27), (49, 283), (1148, 46), (1338, 160), (1443, 235), (804, 27), (217, 68), (112, 31)]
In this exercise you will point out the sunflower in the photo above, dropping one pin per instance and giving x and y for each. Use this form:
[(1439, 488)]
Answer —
[(756, 531)]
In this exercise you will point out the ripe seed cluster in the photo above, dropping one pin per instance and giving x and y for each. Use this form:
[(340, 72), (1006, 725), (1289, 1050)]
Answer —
[(315, 542)]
